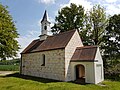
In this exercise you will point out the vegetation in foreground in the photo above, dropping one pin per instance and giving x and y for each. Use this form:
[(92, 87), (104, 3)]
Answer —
[(17, 82), (10, 65)]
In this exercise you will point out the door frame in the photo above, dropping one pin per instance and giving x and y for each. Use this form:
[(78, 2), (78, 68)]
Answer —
[(80, 74)]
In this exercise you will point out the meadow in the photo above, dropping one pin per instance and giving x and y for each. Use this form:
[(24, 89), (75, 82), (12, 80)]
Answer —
[(16, 81), (10, 65), (21, 82)]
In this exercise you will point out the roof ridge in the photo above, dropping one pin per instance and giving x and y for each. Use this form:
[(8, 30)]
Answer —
[(65, 32), (87, 47)]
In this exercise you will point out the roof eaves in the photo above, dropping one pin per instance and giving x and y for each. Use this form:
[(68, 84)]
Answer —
[(87, 47), (43, 50), (84, 61), (29, 46)]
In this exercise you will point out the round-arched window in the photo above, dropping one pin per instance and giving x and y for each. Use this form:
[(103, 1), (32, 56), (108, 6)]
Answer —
[(45, 27), (43, 60)]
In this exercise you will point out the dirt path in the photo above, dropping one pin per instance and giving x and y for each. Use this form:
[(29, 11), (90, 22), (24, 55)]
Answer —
[(6, 72)]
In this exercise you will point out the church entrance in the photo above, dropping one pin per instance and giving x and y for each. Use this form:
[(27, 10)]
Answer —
[(80, 73)]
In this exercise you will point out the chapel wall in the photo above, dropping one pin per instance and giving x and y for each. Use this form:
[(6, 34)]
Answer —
[(54, 64)]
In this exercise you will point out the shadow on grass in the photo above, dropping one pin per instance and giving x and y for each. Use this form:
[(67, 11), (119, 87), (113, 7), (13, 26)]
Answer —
[(38, 79)]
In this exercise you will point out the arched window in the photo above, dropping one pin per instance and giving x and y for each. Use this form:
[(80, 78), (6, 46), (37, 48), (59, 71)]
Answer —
[(43, 60), (45, 27)]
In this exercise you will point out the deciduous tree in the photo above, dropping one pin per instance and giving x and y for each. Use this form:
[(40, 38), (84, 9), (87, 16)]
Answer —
[(8, 34), (95, 23), (69, 18), (111, 38)]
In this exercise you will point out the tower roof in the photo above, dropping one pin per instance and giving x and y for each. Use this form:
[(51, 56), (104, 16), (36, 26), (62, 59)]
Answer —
[(45, 17)]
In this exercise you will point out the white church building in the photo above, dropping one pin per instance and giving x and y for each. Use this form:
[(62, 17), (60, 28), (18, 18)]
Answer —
[(61, 57)]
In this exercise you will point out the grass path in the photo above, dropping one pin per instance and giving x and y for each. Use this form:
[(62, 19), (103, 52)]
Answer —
[(6, 72), (17, 82)]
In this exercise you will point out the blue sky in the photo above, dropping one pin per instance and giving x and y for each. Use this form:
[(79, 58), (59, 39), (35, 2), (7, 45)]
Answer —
[(28, 14)]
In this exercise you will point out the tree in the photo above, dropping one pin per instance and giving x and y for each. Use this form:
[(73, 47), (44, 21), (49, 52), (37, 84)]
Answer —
[(111, 38), (95, 24), (8, 34), (69, 18), (111, 47)]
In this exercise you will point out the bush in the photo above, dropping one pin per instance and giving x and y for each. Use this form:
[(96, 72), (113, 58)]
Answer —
[(113, 72), (10, 62)]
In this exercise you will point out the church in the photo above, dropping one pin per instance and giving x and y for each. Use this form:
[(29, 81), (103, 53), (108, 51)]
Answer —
[(61, 57)]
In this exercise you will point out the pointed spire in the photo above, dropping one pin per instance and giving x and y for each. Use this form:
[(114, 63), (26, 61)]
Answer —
[(45, 17)]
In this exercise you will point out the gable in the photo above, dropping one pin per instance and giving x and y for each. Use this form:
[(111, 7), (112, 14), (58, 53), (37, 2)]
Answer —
[(98, 56), (58, 41), (85, 53)]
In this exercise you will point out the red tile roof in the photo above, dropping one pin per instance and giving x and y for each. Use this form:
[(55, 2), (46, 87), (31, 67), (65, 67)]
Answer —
[(52, 42), (85, 53)]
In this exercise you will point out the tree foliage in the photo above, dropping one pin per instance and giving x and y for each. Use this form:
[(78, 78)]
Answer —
[(69, 18), (111, 38), (91, 25), (8, 34), (95, 23)]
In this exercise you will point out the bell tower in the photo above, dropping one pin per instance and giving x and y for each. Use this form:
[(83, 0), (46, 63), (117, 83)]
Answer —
[(45, 26)]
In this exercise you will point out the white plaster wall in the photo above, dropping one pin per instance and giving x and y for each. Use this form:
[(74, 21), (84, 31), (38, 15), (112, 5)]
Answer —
[(45, 23), (43, 37), (69, 51), (89, 71), (99, 70), (54, 66)]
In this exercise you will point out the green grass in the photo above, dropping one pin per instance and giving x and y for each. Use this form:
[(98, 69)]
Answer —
[(17, 82), (9, 67)]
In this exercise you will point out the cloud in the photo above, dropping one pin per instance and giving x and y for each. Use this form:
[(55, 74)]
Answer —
[(46, 1), (112, 9), (112, 6), (111, 1), (86, 4)]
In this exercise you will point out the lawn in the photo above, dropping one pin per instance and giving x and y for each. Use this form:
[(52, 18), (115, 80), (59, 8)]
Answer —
[(18, 82)]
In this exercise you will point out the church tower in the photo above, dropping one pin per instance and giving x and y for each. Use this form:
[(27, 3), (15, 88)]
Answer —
[(45, 26)]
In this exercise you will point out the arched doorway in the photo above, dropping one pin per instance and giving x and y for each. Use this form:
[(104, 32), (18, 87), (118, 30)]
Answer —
[(80, 71)]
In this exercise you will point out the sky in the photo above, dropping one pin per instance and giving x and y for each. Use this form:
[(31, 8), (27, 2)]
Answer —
[(27, 14)]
